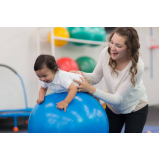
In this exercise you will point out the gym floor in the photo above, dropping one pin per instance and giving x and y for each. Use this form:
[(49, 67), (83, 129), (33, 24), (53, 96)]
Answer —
[(6, 124)]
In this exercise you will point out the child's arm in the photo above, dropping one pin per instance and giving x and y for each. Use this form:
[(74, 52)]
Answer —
[(42, 93), (71, 94)]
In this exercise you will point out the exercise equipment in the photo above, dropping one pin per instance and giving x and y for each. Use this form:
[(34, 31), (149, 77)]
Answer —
[(83, 115), (59, 32), (67, 64), (98, 34), (17, 112), (80, 33), (87, 33), (70, 29), (86, 64)]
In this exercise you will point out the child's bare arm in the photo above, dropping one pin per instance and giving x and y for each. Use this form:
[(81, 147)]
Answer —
[(42, 93), (71, 94)]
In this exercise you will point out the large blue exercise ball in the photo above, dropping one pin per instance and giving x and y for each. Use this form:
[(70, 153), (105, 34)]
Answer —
[(83, 115)]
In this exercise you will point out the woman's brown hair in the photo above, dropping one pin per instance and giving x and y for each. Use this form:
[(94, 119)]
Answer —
[(132, 42)]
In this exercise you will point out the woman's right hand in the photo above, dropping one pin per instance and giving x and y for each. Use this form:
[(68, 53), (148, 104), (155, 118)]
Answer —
[(40, 100), (78, 72)]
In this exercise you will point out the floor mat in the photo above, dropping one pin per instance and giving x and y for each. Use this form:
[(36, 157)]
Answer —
[(153, 129)]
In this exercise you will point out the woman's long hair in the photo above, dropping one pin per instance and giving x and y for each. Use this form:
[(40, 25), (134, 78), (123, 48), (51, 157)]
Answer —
[(132, 42)]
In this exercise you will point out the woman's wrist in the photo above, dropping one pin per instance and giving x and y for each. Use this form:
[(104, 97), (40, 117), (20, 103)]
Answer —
[(92, 90)]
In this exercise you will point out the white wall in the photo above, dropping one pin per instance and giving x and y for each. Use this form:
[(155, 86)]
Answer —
[(151, 84), (18, 49)]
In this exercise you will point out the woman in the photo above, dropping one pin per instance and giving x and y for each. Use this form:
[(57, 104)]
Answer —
[(122, 69)]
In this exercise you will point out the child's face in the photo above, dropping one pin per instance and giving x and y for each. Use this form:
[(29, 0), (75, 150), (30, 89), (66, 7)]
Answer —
[(45, 74)]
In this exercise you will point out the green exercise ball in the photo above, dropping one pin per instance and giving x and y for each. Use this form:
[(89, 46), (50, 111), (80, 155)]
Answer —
[(70, 28), (86, 64), (98, 34), (79, 33), (87, 33)]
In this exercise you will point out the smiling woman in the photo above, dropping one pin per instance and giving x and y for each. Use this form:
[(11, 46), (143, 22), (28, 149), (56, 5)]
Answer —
[(122, 69), (119, 51), (118, 47), (125, 42)]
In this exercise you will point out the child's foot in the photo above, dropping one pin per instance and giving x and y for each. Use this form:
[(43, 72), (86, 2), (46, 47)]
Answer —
[(148, 132)]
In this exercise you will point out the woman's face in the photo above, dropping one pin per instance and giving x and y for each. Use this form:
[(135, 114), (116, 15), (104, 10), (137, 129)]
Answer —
[(119, 50)]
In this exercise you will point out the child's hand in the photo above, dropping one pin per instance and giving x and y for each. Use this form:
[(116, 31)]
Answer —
[(40, 100), (62, 105)]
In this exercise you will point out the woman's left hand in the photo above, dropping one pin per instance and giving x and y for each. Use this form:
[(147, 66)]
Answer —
[(84, 86)]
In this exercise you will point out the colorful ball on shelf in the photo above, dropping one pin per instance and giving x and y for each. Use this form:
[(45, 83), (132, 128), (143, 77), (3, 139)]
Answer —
[(87, 33), (67, 64), (59, 32), (70, 28), (86, 64), (79, 33), (98, 34)]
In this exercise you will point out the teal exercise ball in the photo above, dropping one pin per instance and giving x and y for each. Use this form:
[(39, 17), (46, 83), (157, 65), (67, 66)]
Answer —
[(83, 115), (87, 33), (70, 28), (79, 33), (86, 64), (98, 34)]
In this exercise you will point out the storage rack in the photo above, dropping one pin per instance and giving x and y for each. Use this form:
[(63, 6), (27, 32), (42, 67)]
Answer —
[(65, 39)]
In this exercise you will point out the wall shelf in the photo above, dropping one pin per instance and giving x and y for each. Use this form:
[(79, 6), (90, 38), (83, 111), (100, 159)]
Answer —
[(65, 39)]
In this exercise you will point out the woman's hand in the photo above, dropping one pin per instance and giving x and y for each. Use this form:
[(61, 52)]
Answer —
[(78, 72), (84, 86)]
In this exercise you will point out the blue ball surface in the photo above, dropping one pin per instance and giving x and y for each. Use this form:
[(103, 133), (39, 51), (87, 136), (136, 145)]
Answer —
[(83, 115)]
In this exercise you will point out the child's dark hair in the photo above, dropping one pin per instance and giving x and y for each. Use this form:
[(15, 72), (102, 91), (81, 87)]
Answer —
[(45, 60)]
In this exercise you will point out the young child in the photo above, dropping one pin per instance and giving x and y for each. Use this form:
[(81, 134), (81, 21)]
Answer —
[(52, 77)]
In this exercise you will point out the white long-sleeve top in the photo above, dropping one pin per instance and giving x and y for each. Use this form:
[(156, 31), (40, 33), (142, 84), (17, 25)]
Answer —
[(122, 96)]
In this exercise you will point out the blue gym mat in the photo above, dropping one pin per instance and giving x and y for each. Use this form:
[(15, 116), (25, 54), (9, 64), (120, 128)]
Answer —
[(153, 129)]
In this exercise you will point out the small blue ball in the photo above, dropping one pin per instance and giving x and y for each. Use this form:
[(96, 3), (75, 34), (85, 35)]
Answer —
[(83, 115)]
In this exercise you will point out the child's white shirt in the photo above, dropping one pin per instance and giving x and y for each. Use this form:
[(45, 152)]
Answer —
[(62, 81)]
